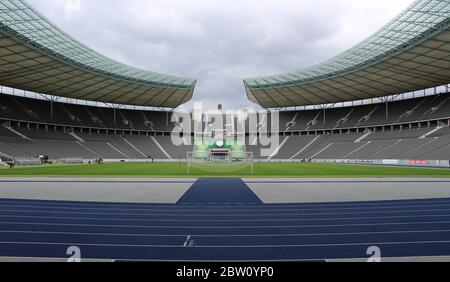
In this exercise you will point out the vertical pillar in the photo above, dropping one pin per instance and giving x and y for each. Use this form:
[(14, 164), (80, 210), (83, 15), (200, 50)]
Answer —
[(387, 110), (51, 109)]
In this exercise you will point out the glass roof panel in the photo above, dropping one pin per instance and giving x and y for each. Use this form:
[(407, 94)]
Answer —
[(20, 21)]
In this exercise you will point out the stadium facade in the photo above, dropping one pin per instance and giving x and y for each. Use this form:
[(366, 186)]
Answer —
[(410, 53)]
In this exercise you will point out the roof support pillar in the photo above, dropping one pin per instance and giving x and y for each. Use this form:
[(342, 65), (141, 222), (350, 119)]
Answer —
[(114, 107), (387, 110), (388, 99), (324, 110)]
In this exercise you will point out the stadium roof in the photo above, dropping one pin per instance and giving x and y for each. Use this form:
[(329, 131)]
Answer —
[(410, 53), (37, 56)]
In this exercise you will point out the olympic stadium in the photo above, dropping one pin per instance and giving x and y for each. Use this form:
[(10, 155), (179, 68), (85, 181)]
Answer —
[(348, 161)]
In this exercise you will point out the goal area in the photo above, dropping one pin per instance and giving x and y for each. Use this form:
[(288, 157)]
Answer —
[(220, 162)]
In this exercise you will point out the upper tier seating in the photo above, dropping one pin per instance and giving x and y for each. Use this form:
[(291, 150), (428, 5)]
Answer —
[(78, 131)]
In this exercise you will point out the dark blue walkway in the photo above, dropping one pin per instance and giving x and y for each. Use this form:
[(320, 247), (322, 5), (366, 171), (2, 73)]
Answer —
[(220, 191)]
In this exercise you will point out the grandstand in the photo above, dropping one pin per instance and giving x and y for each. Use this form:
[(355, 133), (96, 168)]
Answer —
[(410, 53), (416, 129), (41, 58), (407, 129)]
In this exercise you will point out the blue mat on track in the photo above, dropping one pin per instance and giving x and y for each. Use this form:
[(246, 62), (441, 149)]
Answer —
[(226, 191)]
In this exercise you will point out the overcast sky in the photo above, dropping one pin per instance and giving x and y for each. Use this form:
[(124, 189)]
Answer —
[(219, 42)]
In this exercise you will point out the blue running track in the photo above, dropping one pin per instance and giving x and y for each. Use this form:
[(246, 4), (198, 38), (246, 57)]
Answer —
[(225, 231)]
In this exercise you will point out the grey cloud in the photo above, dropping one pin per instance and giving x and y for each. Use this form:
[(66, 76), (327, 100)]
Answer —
[(219, 42)]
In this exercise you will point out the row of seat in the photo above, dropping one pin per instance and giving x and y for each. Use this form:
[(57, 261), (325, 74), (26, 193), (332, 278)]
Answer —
[(405, 111)]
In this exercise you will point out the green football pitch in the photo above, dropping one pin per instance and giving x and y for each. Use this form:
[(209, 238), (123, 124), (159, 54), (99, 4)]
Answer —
[(218, 170)]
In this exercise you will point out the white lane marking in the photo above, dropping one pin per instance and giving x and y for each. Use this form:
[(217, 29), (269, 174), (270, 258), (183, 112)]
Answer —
[(8, 259), (231, 235), (299, 213), (226, 227), (225, 220), (38, 180), (47, 259), (254, 208), (221, 247)]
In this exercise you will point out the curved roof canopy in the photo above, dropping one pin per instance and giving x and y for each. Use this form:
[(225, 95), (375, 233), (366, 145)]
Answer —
[(410, 53), (37, 56)]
